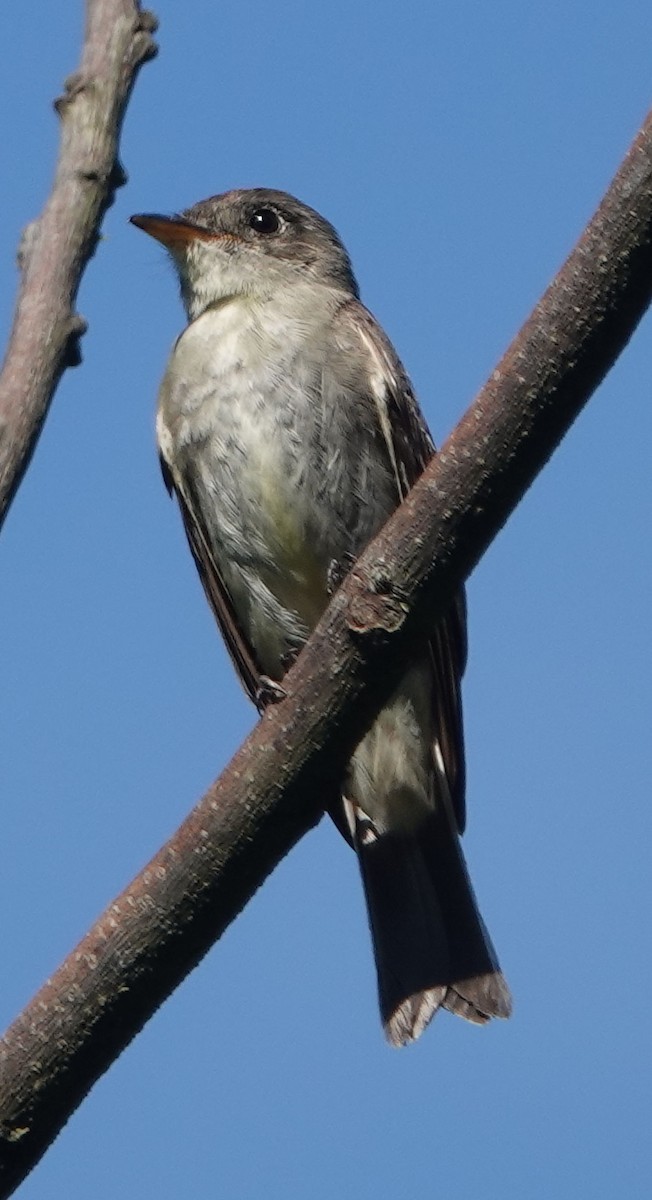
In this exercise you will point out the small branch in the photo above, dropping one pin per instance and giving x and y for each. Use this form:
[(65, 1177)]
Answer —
[(285, 773), (55, 248)]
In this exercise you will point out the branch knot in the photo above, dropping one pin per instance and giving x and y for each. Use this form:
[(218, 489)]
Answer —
[(376, 606)]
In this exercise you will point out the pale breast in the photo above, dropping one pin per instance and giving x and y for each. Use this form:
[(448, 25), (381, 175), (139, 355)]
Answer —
[(284, 467)]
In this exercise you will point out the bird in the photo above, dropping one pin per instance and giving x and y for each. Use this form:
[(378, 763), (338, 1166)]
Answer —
[(289, 432)]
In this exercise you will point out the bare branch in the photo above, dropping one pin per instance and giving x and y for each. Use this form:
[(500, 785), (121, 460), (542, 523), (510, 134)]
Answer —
[(55, 248), (277, 785)]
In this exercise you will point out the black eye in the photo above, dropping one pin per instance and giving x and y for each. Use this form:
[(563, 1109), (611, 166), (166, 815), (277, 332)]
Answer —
[(265, 220)]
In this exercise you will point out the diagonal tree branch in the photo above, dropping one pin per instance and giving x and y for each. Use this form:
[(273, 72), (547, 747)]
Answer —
[(56, 247), (282, 777)]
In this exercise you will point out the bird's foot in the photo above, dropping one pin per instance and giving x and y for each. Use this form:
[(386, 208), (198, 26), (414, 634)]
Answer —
[(337, 571), (269, 692)]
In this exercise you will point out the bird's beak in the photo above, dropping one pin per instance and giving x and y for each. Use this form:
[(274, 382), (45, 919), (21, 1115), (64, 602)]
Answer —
[(173, 232)]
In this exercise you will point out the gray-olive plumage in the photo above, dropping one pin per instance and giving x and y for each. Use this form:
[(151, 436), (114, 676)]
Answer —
[(289, 432)]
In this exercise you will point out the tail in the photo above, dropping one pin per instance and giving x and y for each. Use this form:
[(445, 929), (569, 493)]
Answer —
[(431, 947)]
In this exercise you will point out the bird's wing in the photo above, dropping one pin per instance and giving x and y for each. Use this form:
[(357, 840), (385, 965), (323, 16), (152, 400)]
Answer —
[(409, 449), (216, 592)]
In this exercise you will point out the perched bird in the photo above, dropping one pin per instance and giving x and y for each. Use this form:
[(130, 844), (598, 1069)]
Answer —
[(289, 432)]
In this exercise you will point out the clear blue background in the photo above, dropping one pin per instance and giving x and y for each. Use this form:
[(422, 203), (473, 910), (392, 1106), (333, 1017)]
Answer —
[(459, 148)]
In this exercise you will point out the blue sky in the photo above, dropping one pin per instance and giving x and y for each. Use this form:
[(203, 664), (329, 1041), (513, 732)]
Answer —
[(459, 149)]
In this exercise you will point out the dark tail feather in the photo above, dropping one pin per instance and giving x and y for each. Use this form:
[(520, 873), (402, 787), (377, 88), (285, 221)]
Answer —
[(431, 947)]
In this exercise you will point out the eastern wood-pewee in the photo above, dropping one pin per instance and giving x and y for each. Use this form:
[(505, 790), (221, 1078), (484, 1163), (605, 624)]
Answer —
[(289, 431)]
